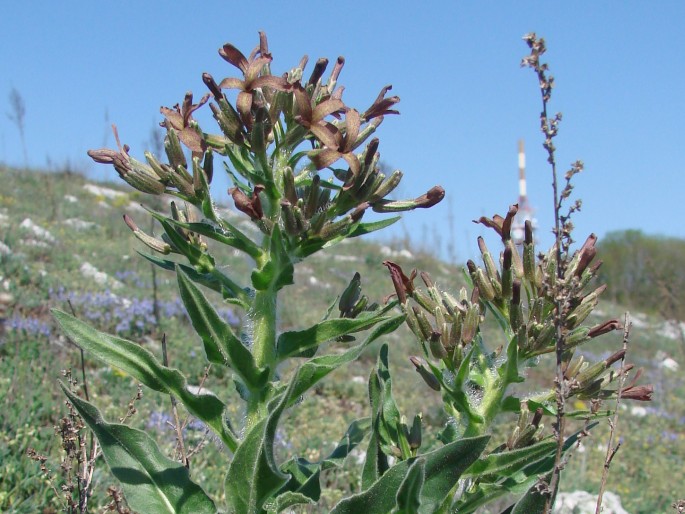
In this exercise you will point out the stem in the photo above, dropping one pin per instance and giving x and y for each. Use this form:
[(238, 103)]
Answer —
[(263, 318), (611, 449)]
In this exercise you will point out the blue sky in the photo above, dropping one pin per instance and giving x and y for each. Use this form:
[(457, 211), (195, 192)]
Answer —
[(619, 70)]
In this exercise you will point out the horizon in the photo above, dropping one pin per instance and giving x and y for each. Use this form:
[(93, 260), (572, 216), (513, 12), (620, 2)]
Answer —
[(465, 100)]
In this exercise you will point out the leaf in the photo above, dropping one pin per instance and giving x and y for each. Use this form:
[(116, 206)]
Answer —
[(315, 369), (408, 497), (510, 462), (142, 365), (288, 499), (225, 233), (221, 345), (152, 482), (253, 476), (443, 468), (292, 343), (216, 281), (366, 228), (533, 500)]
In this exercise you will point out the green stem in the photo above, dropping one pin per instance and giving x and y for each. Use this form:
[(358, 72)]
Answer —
[(263, 317)]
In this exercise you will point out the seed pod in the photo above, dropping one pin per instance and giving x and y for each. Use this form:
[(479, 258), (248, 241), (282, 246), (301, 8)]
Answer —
[(387, 187), (427, 375), (311, 203), (151, 242), (334, 229), (288, 218), (350, 295), (143, 178), (471, 322), (517, 263), (414, 438), (435, 344), (484, 285), (289, 190), (161, 170), (574, 367), (577, 336), (424, 300), (423, 324), (173, 148), (515, 312), (507, 274), (545, 337), (490, 268)]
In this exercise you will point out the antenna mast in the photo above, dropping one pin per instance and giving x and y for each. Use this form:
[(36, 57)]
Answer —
[(525, 212)]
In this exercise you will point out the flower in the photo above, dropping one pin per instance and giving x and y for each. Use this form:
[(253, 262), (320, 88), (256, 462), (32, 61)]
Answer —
[(252, 69), (179, 119)]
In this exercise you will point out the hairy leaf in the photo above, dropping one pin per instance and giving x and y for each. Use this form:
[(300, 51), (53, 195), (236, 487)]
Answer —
[(221, 345), (443, 468), (142, 365), (408, 499), (152, 482)]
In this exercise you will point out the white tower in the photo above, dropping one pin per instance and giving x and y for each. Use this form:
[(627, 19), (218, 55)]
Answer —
[(525, 212)]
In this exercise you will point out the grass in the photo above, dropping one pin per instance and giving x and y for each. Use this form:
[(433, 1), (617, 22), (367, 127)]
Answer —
[(647, 472)]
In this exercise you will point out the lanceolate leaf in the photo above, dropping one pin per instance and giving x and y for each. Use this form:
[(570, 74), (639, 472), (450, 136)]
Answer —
[(443, 468), (533, 501), (292, 343), (510, 462), (408, 498), (152, 482), (253, 476), (367, 228), (315, 369), (142, 365), (221, 345)]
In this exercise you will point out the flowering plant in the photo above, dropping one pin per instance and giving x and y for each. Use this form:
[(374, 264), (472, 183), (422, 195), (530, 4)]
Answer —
[(284, 140)]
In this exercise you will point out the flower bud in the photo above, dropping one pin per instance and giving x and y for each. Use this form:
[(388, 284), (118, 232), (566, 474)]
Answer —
[(414, 438), (311, 204), (173, 148), (424, 325), (435, 344), (387, 187), (151, 242), (471, 323), (288, 218), (427, 375), (350, 295), (289, 190), (484, 285)]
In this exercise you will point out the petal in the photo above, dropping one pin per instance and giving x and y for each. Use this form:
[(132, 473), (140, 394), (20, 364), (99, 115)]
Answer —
[(327, 107), (272, 81), (328, 134), (352, 122), (232, 83), (234, 56), (324, 157)]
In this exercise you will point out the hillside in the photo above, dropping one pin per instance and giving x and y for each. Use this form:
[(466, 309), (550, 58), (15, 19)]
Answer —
[(63, 244)]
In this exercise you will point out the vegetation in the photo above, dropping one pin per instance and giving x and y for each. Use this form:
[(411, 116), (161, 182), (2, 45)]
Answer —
[(476, 346)]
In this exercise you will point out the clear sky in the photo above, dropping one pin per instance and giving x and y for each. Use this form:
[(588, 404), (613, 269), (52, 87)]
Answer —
[(619, 69)]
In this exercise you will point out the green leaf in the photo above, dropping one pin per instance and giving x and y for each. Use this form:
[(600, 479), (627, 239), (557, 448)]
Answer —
[(221, 344), (443, 468), (201, 260), (315, 369), (288, 499), (253, 476), (366, 228), (292, 343), (224, 233), (152, 482), (142, 365), (408, 499), (533, 500), (510, 462)]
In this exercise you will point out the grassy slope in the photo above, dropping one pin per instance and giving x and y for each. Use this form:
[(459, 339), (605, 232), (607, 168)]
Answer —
[(646, 474)]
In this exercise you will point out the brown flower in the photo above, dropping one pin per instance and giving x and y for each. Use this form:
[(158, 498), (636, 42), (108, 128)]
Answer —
[(403, 285), (501, 225), (341, 146), (381, 106), (253, 76), (179, 117)]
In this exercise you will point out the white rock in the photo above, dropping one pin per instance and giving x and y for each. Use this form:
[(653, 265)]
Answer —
[(669, 364), (70, 199), (79, 224), (37, 231), (581, 502), (4, 219), (638, 411), (4, 249), (35, 243), (99, 277), (103, 191)]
